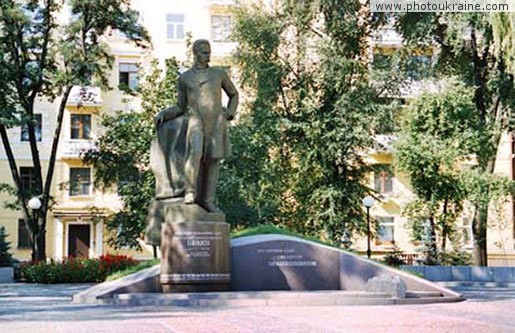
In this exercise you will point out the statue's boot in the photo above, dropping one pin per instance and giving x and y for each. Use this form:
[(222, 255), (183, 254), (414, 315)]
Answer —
[(189, 198)]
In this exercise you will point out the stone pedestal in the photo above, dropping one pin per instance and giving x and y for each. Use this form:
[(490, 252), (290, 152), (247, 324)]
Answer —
[(174, 210), (195, 256)]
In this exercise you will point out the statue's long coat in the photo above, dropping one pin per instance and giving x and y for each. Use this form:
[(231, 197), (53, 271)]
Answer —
[(201, 91)]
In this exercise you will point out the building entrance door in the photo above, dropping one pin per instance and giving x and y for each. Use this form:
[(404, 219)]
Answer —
[(78, 240)]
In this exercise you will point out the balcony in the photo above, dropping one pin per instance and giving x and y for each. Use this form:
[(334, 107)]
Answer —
[(387, 37), (71, 149), (383, 143), (413, 88), (85, 96)]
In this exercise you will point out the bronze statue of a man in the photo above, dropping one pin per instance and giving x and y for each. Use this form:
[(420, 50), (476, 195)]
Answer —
[(200, 92)]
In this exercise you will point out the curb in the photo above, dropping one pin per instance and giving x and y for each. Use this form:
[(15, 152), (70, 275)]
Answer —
[(279, 298)]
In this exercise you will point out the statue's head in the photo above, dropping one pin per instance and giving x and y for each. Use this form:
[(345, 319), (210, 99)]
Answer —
[(202, 51)]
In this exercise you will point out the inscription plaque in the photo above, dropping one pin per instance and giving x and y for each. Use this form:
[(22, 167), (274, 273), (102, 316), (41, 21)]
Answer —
[(195, 256), (284, 265), (286, 258)]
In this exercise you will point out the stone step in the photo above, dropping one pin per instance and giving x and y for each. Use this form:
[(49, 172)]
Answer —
[(277, 298), (428, 300), (467, 284), (422, 294)]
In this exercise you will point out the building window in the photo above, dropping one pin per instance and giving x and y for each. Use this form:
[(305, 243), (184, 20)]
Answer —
[(80, 181), (419, 67), (466, 232), (220, 27), (175, 26), (128, 76), (383, 179), (81, 126), (23, 235), (386, 228), (28, 179), (37, 129), (382, 62)]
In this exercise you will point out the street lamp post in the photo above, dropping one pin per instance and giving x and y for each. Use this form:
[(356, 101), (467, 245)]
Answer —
[(368, 201), (35, 205)]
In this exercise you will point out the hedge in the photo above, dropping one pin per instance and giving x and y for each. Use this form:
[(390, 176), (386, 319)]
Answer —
[(75, 270)]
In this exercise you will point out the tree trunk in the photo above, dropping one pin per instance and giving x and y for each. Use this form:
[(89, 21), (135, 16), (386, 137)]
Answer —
[(41, 240), (432, 251), (479, 222), (41, 222), (444, 225), (479, 227), (27, 218)]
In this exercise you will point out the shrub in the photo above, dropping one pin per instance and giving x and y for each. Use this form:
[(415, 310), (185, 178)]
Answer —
[(74, 270), (394, 258), (132, 269), (5, 254), (456, 258)]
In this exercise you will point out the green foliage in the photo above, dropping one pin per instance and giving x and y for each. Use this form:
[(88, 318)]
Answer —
[(267, 229), (503, 30), (87, 57), (75, 270), (394, 258), (133, 269), (298, 145), (5, 254), (482, 188), (122, 154), (455, 258), (439, 132), (474, 47), (263, 229)]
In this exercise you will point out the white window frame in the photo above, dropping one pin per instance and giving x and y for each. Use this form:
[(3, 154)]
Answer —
[(466, 228), (381, 221), (132, 70), (175, 26), (220, 32)]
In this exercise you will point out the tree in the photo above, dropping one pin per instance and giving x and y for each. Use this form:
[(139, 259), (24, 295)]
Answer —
[(439, 132), (5, 254), (503, 29), (304, 66), (121, 160), (41, 57), (465, 44)]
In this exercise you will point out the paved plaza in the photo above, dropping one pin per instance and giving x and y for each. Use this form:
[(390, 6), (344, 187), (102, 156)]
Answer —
[(48, 308)]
